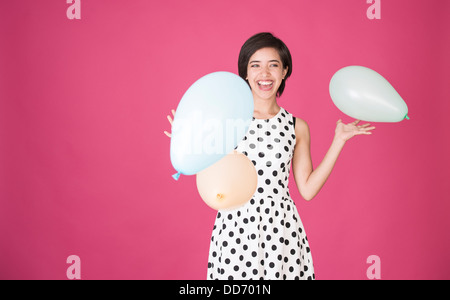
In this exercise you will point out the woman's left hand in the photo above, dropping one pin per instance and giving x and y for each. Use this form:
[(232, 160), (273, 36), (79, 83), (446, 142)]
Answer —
[(347, 131)]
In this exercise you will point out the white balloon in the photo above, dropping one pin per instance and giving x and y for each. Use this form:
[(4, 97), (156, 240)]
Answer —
[(363, 94)]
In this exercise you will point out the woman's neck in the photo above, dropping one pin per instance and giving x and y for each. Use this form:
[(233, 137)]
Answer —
[(264, 109)]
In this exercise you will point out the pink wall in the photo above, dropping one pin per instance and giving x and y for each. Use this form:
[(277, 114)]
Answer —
[(85, 166)]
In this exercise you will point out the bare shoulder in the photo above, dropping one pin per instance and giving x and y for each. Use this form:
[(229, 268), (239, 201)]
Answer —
[(301, 129)]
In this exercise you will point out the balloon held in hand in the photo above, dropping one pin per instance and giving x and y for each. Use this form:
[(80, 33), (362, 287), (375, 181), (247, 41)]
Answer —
[(363, 94), (229, 183), (212, 117)]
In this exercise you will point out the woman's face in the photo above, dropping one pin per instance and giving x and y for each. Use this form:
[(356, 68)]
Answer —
[(265, 73)]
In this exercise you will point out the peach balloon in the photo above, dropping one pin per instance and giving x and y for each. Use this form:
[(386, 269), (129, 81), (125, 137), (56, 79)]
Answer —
[(228, 183)]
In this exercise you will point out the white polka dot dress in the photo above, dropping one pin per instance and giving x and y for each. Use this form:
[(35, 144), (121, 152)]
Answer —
[(265, 238)]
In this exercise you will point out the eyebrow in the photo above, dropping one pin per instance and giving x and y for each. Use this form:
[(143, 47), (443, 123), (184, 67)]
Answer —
[(258, 61)]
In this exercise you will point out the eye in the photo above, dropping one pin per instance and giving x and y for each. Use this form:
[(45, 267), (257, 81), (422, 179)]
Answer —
[(274, 65), (254, 66)]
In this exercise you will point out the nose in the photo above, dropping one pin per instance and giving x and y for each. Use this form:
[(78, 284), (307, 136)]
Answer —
[(265, 71)]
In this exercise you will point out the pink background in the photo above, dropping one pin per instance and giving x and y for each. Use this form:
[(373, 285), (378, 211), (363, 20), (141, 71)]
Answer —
[(85, 167)]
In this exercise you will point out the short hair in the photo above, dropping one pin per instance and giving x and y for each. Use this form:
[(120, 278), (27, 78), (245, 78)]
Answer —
[(264, 40)]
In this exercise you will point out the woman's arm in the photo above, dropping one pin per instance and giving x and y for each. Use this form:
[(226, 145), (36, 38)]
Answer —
[(309, 181)]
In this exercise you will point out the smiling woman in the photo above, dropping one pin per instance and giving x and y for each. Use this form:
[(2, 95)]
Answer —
[(265, 73), (260, 46), (265, 238)]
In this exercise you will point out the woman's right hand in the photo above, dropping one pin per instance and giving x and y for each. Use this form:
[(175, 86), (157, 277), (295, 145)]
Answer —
[(170, 121)]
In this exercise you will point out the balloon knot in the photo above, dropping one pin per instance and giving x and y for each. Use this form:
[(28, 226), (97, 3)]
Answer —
[(220, 196), (176, 176)]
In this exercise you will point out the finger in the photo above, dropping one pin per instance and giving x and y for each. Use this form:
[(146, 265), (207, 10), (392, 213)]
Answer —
[(356, 122), (363, 132), (365, 125), (339, 121), (168, 134), (173, 112), (367, 128), (170, 119)]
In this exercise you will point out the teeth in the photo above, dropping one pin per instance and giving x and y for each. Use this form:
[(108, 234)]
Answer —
[(265, 82)]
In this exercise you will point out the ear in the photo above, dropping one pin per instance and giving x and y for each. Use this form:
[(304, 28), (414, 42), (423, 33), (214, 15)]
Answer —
[(285, 70)]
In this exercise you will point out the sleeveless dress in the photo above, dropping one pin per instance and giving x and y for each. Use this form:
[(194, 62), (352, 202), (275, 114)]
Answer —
[(264, 238)]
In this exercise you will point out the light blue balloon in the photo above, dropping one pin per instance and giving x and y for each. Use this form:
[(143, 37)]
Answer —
[(211, 119), (363, 94)]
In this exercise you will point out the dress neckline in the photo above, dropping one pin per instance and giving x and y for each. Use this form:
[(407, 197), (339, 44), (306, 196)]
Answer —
[(278, 113)]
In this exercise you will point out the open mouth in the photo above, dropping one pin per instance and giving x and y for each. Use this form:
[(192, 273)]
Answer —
[(265, 85)]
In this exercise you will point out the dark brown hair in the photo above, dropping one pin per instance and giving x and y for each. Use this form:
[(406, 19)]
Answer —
[(265, 40)]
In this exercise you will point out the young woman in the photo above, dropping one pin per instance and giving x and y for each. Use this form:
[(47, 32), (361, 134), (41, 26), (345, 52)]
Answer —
[(265, 238)]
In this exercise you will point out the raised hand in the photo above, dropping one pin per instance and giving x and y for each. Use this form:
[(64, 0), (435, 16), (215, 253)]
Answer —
[(170, 121), (347, 131)]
